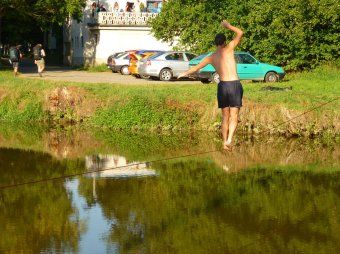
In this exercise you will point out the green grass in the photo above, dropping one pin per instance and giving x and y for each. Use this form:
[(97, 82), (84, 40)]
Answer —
[(97, 68), (309, 89), (173, 106)]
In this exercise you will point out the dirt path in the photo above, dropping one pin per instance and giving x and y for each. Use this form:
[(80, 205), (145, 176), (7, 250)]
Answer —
[(29, 70)]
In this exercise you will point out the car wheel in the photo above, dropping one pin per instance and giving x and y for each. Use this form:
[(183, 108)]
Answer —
[(271, 77), (165, 75), (205, 81), (124, 70), (215, 78)]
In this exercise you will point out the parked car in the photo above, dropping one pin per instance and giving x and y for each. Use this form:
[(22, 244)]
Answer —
[(110, 59), (248, 67), (165, 65), (120, 62), (135, 61)]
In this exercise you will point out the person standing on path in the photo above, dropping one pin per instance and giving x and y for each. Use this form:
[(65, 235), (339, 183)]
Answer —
[(14, 58), (39, 54), (230, 90)]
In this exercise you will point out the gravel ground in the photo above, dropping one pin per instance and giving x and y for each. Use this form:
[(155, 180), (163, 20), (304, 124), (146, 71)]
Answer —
[(29, 70), (99, 77)]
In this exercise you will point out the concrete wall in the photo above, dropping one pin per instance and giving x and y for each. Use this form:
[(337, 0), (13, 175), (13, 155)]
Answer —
[(116, 39)]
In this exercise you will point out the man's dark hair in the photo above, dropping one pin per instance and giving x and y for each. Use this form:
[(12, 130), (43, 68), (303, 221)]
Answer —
[(220, 39)]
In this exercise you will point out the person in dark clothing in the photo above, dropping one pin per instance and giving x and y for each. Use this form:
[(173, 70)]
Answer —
[(39, 55), (15, 57)]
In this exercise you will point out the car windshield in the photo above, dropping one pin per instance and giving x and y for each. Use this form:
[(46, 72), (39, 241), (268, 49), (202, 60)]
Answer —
[(115, 54), (120, 54)]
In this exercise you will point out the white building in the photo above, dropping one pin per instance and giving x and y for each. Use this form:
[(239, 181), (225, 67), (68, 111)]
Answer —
[(100, 34), (115, 166)]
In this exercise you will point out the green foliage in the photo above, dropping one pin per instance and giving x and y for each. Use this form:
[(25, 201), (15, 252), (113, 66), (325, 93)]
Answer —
[(23, 21), (294, 34), (22, 100), (44, 12), (142, 113), (11, 112)]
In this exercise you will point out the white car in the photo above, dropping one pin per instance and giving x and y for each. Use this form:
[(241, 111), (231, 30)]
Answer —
[(119, 62), (165, 65)]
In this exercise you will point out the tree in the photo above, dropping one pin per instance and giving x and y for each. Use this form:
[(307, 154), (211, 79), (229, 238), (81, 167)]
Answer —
[(298, 35), (42, 13)]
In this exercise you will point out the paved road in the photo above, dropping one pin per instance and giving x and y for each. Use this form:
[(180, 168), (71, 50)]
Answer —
[(29, 70)]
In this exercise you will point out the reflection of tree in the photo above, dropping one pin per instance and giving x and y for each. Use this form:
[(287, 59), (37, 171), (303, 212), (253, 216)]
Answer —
[(192, 207), (36, 218), (29, 166)]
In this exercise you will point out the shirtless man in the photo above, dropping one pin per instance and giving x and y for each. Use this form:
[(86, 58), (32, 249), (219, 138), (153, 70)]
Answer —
[(229, 91)]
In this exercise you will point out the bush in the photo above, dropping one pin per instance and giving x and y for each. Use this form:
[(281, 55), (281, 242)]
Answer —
[(295, 34)]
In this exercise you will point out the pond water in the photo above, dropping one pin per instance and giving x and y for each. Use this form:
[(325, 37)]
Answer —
[(166, 193)]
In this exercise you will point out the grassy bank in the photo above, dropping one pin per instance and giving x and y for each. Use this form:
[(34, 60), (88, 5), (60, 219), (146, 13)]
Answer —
[(174, 106)]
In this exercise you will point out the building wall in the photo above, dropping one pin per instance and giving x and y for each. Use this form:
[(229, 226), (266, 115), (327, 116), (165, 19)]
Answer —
[(80, 39), (116, 39)]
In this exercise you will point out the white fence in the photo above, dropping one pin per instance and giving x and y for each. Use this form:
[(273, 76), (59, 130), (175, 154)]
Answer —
[(125, 18)]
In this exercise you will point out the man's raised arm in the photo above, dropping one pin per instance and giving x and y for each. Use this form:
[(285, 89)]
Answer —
[(237, 31)]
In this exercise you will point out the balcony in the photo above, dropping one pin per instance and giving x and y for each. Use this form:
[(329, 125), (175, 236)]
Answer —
[(122, 19)]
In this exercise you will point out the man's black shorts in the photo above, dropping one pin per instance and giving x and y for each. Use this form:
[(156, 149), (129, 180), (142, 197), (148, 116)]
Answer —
[(229, 94)]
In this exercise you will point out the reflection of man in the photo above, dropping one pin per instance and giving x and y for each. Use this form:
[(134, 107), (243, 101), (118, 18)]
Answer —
[(230, 91)]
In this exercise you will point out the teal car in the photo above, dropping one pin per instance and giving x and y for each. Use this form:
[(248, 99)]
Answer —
[(248, 68)]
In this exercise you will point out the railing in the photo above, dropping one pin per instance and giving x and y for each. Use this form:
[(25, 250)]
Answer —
[(125, 18)]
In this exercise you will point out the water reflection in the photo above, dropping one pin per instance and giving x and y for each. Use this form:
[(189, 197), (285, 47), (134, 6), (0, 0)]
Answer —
[(40, 217), (115, 166), (94, 237), (268, 196)]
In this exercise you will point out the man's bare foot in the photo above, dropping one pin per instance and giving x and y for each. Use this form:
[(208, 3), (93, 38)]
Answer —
[(227, 145)]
